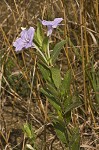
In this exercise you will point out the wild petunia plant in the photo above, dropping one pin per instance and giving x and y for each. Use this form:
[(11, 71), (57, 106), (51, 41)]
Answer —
[(56, 89)]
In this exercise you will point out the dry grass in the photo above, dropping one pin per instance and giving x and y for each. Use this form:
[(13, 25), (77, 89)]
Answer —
[(20, 99)]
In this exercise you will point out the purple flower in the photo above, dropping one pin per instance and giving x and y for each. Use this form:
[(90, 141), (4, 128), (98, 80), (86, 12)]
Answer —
[(25, 40), (51, 24)]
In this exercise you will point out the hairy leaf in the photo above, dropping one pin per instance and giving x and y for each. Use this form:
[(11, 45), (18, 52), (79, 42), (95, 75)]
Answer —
[(56, 76), (57, 50)]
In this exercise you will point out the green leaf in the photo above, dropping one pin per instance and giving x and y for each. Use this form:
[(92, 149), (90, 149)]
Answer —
[(56, 76), (45, 44), (75, 141), (65, 86), (67, 101), (60, 130), (71, 106), (57, 50), (52, 90), (38, 36), (27, 128), (39, 33), (51, 99), (45, 72)]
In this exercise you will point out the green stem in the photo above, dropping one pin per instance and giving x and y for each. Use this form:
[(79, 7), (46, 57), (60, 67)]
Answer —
[(41, 53)]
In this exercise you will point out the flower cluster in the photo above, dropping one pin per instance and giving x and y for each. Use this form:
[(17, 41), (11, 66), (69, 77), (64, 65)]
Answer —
[(26, 36)]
